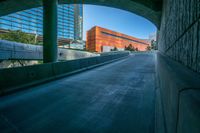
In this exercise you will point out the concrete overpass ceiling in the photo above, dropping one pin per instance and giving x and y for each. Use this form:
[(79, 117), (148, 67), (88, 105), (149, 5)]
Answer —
[(149, 9)]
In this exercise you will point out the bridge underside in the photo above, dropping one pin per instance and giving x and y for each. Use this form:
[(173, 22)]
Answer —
[(177, 107), (150, 9)]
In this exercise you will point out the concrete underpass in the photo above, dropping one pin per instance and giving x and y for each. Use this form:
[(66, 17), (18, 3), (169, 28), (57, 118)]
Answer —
[(103, 99), (114, 98)]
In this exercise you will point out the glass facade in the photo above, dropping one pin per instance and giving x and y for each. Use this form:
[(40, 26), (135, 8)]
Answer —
[(31, 21), (78, 13)]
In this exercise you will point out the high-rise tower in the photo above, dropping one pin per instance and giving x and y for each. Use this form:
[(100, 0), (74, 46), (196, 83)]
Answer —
[(70, 22)]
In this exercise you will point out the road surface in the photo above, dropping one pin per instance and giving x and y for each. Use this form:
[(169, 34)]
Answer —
[(115, 98)]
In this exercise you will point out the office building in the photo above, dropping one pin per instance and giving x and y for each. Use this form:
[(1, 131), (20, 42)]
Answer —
[(103, 40), (70, 22)]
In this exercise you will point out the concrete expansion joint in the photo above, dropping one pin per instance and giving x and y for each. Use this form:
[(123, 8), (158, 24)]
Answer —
[(178, 107), (10, 124), (184, 32)]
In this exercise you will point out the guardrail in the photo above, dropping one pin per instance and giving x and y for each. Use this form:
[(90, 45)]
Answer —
[(13, 79)]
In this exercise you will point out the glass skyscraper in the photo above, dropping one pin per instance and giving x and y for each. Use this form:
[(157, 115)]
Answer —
[(70, 22)]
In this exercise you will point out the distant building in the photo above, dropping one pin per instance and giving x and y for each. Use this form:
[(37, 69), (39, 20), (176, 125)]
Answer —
[(152, 36), (80, 44), (104, 40), (70, 22), (153, 40)]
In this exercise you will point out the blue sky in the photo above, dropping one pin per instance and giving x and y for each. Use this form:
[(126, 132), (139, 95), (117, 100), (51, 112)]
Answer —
[(117, 20)]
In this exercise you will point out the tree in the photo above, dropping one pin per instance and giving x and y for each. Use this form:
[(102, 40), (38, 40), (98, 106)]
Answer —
[(125, 48), (19, 36), (114, 49), (148, 48), (153, 45), (130, 48)]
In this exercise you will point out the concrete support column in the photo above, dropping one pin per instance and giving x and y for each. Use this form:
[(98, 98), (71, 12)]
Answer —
[(50, 30)]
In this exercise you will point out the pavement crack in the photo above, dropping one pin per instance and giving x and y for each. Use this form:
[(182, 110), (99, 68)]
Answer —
[(13, 126)]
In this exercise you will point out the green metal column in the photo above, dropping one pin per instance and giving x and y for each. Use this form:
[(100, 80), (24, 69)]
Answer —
[(50, 30)]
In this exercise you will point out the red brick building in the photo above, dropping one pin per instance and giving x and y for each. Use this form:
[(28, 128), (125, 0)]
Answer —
[(103, 40)]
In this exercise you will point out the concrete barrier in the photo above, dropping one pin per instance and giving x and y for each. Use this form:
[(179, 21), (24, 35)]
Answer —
[(13, 79), (19, 51), (189, 111), (178, 101)]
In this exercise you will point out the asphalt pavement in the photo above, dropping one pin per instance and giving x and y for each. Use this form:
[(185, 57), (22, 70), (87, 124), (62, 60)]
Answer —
[(114, 98)]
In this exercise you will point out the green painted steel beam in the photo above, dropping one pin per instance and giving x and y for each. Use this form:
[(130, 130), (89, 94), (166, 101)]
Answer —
[(50, 30)]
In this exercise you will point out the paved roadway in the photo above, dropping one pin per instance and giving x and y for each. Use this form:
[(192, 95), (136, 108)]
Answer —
[(115, 98)]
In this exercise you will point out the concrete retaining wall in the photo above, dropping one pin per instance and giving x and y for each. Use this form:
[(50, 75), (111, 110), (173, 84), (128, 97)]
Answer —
[(19, 51), (178, 95), (179, 35), (178, 98), (15, 78)]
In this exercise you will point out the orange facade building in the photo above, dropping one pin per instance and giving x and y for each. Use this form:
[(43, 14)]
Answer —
[(103, 40)]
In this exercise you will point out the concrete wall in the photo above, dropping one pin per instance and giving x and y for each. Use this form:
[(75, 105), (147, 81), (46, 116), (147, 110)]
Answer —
[(178, 97), (18, 63), (14, 50), (178, 93), (179, 34), (20, 77)]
